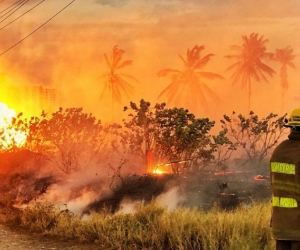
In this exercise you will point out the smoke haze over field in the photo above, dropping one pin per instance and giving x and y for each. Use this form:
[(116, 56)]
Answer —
[(67, 53)]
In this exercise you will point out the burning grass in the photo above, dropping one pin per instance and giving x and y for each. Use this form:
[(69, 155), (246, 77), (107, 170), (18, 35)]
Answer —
[(153, 226), (64, 188), (133, 212)]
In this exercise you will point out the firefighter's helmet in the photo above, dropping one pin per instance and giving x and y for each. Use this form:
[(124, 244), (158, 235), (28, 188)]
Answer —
[(294, 119)]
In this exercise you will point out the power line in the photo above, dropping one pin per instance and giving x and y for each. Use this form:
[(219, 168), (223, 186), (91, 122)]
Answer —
[(43, 24), (11, 5), (22, 14), (13, 11)]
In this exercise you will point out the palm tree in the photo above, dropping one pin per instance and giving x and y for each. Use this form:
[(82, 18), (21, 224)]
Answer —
[(187, 86), (249, 62), (285, 57), (115, 83)]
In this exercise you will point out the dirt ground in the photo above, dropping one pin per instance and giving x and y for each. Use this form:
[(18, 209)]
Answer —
[(19, 239)]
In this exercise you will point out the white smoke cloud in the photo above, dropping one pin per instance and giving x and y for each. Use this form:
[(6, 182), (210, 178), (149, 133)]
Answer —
[(171, 199), (128, 206)]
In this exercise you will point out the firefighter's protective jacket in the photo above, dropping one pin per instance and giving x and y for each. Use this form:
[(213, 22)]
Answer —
[(285, 180)]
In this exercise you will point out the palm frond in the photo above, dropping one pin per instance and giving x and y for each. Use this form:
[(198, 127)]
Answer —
[(172, 89), (183, 60), (166, 72), (235, 47), (124, 64), (116, 56), (116, 89), (233, 57), (184, 84), (249, 58), (103, 76), (107, 61), (211, 93), (194, 55), (265, 69), (175, 94), (292, 65), (209, 75), (124, 87), (202, 62), (115, 82), (236, 66), (128, 77)]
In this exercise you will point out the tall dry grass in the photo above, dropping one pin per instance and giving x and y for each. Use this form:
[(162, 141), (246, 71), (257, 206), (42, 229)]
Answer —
[(155, 227)]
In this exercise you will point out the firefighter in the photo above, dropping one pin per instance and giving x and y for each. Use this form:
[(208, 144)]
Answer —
[(285, 181)]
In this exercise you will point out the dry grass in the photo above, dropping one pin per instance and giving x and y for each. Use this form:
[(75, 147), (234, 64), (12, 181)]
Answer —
[(156, 227)]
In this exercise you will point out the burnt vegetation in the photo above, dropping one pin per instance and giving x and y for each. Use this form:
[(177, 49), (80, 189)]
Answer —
[(69, 156)]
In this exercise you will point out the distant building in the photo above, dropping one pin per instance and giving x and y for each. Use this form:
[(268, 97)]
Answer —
[(29, 99)]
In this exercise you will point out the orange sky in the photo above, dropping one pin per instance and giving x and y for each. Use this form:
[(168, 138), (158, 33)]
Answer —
[(67, 53)]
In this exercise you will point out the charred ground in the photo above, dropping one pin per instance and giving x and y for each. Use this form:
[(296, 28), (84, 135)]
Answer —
[(21, 185)]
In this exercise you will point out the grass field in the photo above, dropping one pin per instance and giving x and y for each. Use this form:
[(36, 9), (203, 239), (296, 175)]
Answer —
[(153, 226)]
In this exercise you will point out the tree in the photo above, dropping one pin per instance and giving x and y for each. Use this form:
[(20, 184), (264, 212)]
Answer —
[(139, 134), (181, 136), (253, 136), (285, 57), (250, 65), (172, 135), (70, 139), (187, 87), (117, 83), (223, 149)]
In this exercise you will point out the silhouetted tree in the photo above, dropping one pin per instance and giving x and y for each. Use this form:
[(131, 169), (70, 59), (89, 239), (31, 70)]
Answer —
[(187, 87), (285, 57), (142, 125), (70, 139), (183, 137), (249, 62), (174, 136), (117, 83), (253, 136)]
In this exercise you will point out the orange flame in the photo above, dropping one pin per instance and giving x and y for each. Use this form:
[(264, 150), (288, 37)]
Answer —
[(162, 169), (9, 137), (158, 171)]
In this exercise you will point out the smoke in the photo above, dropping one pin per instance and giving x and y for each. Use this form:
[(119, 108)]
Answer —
[(77, 190), (86, 192), (128, 206), (171, 199), (67, 54)]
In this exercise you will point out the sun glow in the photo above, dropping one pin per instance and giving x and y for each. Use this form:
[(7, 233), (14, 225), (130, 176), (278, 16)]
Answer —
[(10, 136)]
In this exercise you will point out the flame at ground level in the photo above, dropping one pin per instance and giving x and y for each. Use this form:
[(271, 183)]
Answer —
[(9, 136), (157, 171), (163, 169), (169, 168)]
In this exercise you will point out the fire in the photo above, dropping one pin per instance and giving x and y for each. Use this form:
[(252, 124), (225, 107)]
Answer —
[(9, 137), (163, 169), (157, 171), (167, 168)]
